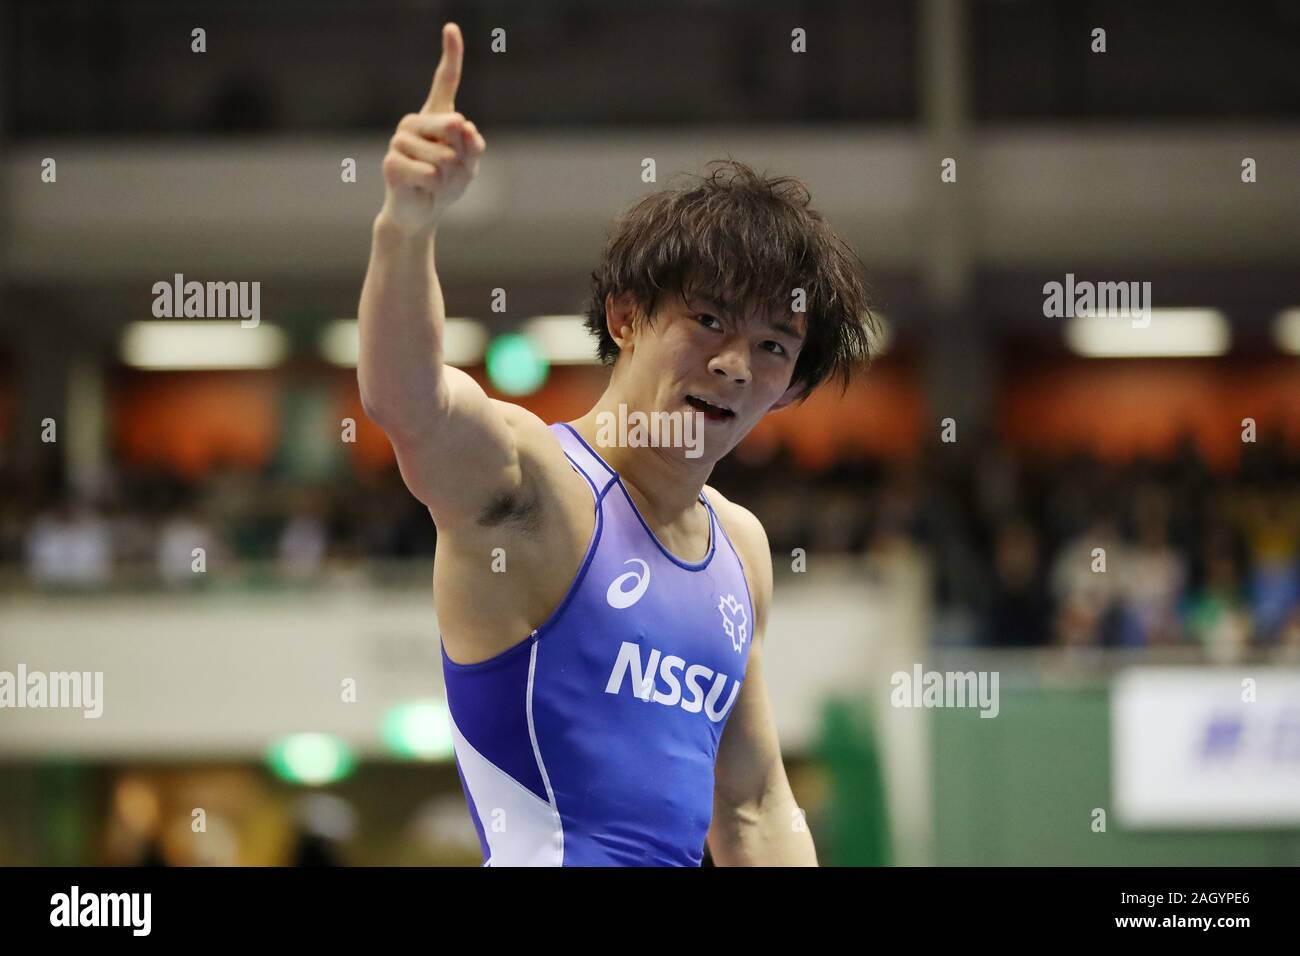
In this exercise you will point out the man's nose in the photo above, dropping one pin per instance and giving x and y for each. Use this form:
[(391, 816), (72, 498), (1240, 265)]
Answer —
[(732, 362)]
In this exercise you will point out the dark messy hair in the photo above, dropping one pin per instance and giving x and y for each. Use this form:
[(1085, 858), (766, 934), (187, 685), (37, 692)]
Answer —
[(746, 242)]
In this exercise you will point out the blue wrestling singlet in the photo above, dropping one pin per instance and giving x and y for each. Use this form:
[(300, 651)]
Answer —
[(593, 742)]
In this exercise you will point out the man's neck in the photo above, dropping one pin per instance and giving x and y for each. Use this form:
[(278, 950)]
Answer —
[(666, 484)]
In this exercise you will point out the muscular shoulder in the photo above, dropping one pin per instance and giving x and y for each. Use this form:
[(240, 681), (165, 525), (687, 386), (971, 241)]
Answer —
[(548, 499), (541, 463), (747, 534)]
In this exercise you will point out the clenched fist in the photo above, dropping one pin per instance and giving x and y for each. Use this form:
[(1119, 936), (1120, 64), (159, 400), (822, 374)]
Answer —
[(434, 154)]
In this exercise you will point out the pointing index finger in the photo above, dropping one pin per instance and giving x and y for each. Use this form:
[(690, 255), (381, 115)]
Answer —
[(442, 95)]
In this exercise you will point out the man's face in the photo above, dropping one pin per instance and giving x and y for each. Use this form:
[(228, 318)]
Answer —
[(695, 357)]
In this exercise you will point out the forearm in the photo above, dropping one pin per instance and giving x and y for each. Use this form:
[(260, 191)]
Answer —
[(769, 832), (400, 321), (431, 160)]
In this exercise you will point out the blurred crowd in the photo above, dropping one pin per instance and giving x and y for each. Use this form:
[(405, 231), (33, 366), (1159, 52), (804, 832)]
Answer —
[(1072, 550), (150, 527), (1021, 552)]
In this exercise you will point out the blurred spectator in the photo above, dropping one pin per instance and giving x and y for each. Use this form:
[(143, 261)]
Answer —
[(1020, 614), (1217, 616), (177, 539), (1275, 556), (838, 522), (1152, 578), (1085, 583), (303, 541), (325, 824), (1289, 637), (69, 546)]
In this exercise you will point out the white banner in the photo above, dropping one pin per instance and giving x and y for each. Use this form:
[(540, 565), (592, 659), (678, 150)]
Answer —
[(1202, 747)]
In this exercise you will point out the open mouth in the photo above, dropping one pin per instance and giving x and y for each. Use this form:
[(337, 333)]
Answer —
[(711, 411)]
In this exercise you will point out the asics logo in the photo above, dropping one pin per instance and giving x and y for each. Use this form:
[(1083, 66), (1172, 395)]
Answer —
[(619, 598)]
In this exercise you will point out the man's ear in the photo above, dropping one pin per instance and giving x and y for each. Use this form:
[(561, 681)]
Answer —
[(791, 394), (620, 314)]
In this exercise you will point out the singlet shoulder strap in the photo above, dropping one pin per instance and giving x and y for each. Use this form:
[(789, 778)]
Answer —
[(583, 457)]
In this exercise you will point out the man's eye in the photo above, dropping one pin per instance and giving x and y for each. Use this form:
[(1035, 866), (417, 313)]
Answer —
[(778, 350), (709, 318)]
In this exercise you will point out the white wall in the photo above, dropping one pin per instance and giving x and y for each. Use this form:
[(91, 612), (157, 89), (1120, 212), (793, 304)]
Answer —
[(225, 673), (277, 208)]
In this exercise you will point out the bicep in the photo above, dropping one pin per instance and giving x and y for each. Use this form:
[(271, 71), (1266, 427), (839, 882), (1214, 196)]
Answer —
[(749, 754)]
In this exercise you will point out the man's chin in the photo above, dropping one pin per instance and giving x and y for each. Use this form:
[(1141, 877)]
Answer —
[(714, 440)]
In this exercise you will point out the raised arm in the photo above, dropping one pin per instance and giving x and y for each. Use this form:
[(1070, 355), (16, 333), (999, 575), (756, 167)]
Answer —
[(455, 446)]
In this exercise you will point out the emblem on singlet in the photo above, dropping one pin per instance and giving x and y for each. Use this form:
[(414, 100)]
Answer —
[(735, 622)]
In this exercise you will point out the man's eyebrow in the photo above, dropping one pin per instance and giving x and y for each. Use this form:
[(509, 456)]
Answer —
[(703, 302)]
